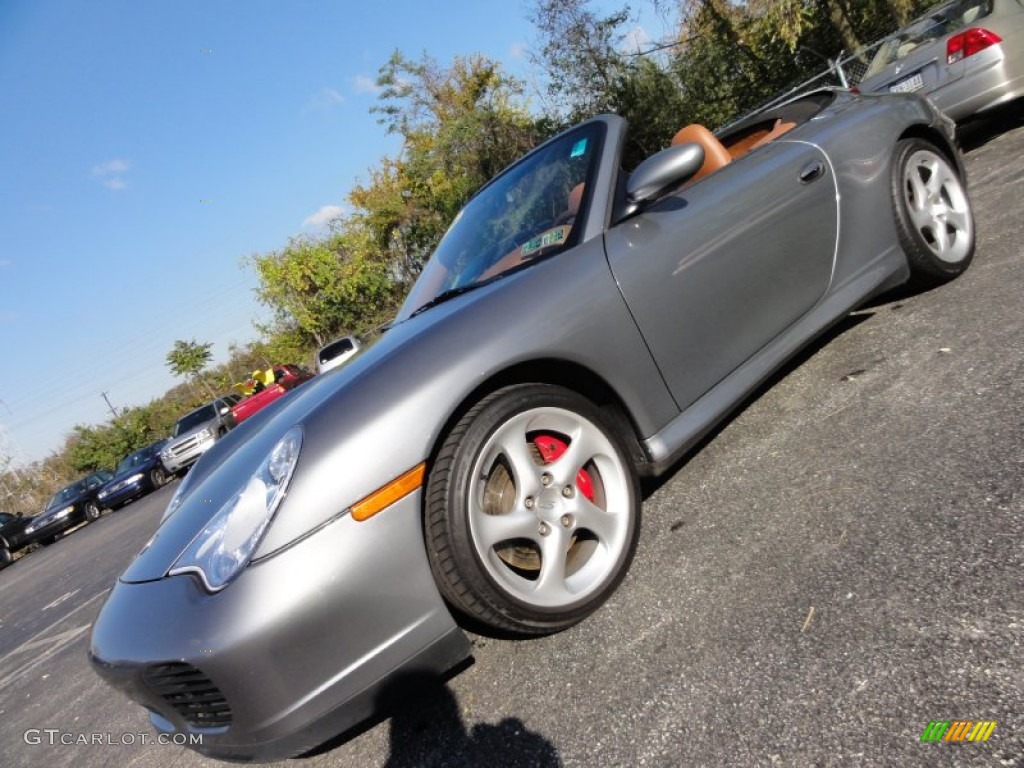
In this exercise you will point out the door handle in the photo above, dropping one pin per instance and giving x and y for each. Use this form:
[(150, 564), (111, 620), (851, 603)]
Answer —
[(812, 171)]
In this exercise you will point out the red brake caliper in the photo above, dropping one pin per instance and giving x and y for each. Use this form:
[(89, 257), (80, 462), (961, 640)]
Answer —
[(551, 448)]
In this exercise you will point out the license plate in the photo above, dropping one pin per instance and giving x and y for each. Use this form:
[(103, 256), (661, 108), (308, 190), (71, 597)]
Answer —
[(912, 83)]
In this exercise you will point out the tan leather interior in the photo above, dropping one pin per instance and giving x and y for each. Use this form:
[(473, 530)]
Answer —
[(572, 205), (780, 127), (715, 154)]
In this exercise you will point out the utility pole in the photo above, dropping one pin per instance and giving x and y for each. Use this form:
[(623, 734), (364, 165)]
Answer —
[(107, 399)]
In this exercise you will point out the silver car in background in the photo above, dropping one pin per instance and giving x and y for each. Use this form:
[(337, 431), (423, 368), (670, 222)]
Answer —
[(578, 326), (196, 432), (966, 56)]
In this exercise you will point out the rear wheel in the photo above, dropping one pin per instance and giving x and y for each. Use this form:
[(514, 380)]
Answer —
[(933, 213), (6, 558), (532, 511)]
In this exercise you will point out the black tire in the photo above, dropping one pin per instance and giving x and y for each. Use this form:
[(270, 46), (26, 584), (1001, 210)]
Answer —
[(934, 220), (6, 558), (92, 511), (158, 477), (567, 530)]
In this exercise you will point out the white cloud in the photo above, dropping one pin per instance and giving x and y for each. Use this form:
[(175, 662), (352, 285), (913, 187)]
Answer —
[(323, 100), (636, 40), (325, 215), (109, 173), (365, 84), (517, 51), (111, 167)]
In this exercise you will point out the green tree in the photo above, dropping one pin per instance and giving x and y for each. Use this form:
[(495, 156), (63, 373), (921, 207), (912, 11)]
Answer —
[(188, 359), (319, 287), (589, 71)]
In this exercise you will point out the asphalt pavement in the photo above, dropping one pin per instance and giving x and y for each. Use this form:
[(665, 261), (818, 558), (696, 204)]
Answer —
[(840, 564)]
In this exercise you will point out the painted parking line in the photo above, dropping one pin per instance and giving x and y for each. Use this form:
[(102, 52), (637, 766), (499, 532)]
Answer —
[(61, 599), (44, 645)]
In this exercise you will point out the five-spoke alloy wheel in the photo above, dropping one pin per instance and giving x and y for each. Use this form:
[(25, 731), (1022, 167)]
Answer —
[(933, 213), (532, 511)]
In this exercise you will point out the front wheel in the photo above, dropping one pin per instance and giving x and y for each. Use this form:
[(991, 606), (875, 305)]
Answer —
[(934, 220), (532, 510), (92, 511), (6, 558), (158, 477)]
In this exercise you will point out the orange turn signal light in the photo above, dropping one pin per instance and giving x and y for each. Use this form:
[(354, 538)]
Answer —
[(389, 494)]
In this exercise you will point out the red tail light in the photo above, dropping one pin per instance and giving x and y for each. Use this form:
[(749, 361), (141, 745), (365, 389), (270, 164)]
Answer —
[(968, 43)]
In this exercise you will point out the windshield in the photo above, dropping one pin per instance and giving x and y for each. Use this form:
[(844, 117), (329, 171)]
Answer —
[(527, 212), (136, 459), (65, 495), (197, 418)]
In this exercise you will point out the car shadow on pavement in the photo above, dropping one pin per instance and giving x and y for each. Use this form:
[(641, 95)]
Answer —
[(427, 730), (977, 133)]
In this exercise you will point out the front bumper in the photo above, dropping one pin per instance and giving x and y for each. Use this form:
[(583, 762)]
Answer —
[(55, 526), (293, 652), (177, 458), (126, 493)]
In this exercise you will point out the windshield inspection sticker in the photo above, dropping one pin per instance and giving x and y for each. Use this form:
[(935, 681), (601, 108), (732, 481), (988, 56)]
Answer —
[(578, 148), (551, 237)]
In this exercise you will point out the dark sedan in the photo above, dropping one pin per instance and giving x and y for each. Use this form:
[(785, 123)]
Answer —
[(138, 473), (12, 536), (70, 506)]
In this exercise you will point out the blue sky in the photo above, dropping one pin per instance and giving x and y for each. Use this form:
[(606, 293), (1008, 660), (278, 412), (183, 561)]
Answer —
[(149, 146)]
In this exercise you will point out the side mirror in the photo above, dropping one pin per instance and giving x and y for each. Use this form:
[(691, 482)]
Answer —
[(662, 171), (223, 410)]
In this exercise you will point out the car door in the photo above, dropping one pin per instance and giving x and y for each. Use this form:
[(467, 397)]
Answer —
[(719, 269)]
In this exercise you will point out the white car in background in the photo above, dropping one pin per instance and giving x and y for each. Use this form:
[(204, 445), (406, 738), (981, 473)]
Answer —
[(337, 352)]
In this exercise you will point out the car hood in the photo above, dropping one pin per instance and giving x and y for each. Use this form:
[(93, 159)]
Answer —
[(78, 499), (381, 414), (15, 527), (227, 466), (144, 467)]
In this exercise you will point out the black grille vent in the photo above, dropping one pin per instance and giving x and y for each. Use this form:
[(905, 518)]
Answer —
[(191, 693)]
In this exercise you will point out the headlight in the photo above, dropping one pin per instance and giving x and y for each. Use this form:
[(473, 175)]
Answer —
[(179, 494), (206, 434), (227, 542), (133, 479)]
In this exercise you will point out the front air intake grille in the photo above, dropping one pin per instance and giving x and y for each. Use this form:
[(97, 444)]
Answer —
[(191, 693)]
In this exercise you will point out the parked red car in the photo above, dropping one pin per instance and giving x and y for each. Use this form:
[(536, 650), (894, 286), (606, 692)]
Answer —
[(286, 378)]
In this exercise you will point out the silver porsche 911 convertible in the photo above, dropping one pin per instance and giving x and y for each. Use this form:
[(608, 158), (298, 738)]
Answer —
[(577, 327)]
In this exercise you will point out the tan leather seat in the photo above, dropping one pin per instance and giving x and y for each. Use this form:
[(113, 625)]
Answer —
[(572, 205), (781, 126), (715, 153)]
